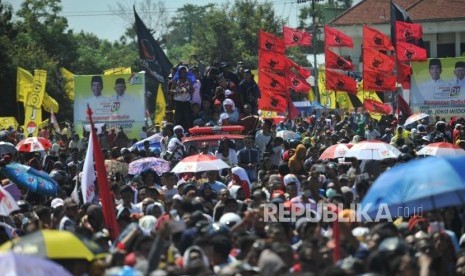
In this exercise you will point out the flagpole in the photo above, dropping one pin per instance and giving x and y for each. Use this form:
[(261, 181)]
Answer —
[(315, 66)]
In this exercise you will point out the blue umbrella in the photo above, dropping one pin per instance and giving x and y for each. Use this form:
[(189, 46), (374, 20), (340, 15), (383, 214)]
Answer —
[(154, 142), (417, 186), (30, 178)]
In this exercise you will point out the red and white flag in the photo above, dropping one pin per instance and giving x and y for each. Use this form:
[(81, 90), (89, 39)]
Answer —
[(88, 173), (54, 122)]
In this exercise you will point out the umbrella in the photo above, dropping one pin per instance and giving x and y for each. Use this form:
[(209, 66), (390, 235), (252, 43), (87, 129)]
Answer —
[(30, 178), (7, 203), (19, 264), (55, 244), (200, 163), (415, 117), (288, 135), (418, 186), (32, 144), (13, 190), (149, 163), (441, 149), (113, 166), (335, 151), (7, 148), (372, 150)]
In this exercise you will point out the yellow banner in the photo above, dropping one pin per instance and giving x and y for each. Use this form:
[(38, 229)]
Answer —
[(343, 100), (33, 106), (327, 97), (6, 122), (23, 84), (68, 82), (50, 104), (118, 71), (45, 123), (269, 114), (160, 106), (366, 94)]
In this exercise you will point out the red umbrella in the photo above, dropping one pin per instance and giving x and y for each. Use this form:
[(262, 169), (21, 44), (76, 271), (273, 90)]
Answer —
[(33, 144), (372, 150), (335, 151), (200, 163), (441, 149)]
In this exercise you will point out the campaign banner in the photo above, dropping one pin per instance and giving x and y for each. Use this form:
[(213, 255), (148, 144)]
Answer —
[(118, 101), (438, 84)]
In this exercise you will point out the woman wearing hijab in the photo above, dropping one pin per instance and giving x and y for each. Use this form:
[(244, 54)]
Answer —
[(240, 178), (231, 110), (296, 162)]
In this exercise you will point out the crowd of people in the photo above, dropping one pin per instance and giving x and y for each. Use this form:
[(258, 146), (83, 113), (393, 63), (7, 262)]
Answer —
[(214, 222)]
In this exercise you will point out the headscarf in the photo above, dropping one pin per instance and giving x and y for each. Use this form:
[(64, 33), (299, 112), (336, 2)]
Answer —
[(187, 261), (296, 163), (289, 178), (229, 102), (245, 182), (189, 75)]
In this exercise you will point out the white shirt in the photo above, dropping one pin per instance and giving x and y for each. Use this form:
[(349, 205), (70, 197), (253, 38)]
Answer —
[(196, 95), (261, 141), (230, 160), (431, 91)]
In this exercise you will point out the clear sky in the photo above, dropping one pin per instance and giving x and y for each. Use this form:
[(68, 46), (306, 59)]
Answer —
[(96, 16)]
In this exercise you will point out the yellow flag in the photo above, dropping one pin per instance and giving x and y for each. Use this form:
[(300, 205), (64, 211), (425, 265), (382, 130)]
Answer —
[(343, 100), (118, 71), (23, 84), (160, 106), (68, 82), (45, 123), (269, 114), (33, 104), (311, 96), (6, 122), (327, 97), (50, 104), (367, 94)]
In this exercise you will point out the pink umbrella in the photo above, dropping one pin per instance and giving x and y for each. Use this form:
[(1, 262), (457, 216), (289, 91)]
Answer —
[(441, 149), (372, 150), (33, 144), (200, 163), (335, 151)]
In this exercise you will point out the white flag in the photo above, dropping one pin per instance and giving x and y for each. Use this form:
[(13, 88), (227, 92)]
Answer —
[(7, 203), (54, 122), (88, 174)]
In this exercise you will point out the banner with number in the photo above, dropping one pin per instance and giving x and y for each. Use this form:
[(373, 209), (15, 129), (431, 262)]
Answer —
[(118, 101)]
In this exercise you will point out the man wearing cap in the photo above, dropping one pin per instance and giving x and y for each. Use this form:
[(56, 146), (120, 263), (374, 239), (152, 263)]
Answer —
[(120, 89), (434, 89)]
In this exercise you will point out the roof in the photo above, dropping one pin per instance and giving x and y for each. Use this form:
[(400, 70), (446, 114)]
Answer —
[(378, 11)]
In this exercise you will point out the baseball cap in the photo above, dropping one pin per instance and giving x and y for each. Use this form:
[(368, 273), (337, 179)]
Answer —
[(56, 202)]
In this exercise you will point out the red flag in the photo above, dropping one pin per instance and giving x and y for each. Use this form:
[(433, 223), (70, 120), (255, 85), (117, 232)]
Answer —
[(302, 71), (296, 37), (377, 81), (106, 198), (334, 61), (270, 42), (377, 61), (403, 75), (336, 81), (297, 83), (336, 38), (373, 106), (272, 61), (409, 52), (271, 83), (293, 112), (375, 39), (273, 102), (408, 31), (403, 106)]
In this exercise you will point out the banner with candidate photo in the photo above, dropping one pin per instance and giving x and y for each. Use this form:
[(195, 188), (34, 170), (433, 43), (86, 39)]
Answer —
[(438, 87), (118, 101)]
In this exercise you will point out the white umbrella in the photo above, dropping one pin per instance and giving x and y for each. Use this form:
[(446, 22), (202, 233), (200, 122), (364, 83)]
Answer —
[(441, 149), (200, 163), (415, 117), (32, 144), (7, 203), (19, 264), (372, 150)]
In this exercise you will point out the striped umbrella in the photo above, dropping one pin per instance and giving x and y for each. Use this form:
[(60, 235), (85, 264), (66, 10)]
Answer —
[(33, 144), (415, 117), (335, 151), (200, 163)]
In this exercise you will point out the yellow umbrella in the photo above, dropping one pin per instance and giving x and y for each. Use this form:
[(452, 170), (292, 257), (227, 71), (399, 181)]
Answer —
[(54, 244)]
